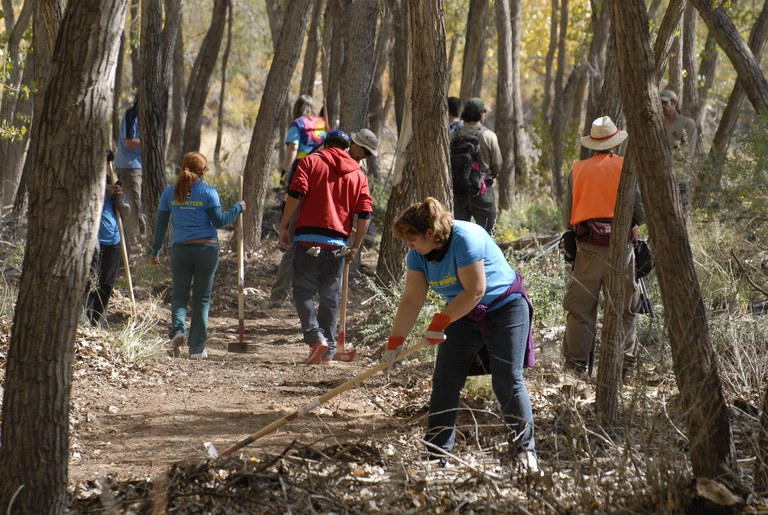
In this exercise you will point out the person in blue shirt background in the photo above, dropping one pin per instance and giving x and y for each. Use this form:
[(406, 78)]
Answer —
[(486, 306), (128, 170), (106, 259), (195, 211)]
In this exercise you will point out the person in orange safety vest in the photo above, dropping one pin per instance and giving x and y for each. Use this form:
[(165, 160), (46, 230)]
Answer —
[(588, 208)]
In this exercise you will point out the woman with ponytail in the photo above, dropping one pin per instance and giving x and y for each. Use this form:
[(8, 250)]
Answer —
[(487, 312), (194, 209)]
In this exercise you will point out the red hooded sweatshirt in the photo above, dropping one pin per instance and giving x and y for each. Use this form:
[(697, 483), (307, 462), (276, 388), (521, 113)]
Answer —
[(334, 189)]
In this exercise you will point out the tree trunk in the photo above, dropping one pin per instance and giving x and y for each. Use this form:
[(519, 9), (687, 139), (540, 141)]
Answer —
[(429, 102), (336, 65), (559, 120), (135, 36), (727, 126), (259, 160), (452, 57), (391, 263), (13, 102), (201, 75), (707, 70), (488, 35), (691, 107), (505, 112), (224, 62), (378, 106), (309, 69), (709, 432), (67, 180), (16, 149), (357, 73), (46, 18), (675, 79), (473, 47), (399, 72), (667, 29), (156, 53), (601, 28), (118, 89), (738, 52), (549, 63), (612, 346), (178, 102), (518, 127)]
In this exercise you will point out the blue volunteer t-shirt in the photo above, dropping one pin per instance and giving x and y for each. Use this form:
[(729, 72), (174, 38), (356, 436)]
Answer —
[(469, 244), (190, 217), (129, 129)]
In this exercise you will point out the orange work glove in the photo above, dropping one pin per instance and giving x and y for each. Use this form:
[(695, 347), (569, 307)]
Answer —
[(393, 348), (435, 332)]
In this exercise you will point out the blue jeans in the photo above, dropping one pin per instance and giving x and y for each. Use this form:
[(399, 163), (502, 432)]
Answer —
[(506, 344), (319, 275), (192, 266)]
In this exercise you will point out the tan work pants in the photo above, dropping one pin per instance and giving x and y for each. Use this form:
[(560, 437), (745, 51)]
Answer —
[(581, 299)]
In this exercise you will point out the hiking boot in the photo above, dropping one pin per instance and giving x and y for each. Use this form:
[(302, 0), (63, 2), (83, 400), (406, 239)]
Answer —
[(199, 355), (177, 342), (528, 462), (577, 369), (316, 353)]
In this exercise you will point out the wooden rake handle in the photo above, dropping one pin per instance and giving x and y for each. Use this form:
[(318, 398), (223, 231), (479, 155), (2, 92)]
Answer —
[(323, 398), (123, 244), (240, 269)]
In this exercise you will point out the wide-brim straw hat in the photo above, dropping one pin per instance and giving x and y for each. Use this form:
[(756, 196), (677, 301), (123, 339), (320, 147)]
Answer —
[(604, 135)]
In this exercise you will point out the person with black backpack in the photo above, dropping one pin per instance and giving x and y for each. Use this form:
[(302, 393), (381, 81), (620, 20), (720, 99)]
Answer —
[(475, 163)]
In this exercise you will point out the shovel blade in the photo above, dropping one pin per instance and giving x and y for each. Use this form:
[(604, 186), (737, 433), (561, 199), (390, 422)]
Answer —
[(239, 347), (212, 452), (345, 356)]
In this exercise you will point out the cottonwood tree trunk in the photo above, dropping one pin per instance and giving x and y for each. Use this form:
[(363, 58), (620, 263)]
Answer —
[(741, 57), (549, 63), (309, 68), (178, 102), (727, 126), (335, 67), (134, 29), (675, 80), (118, 88), (378, 105), (391, 264), (224, 62), (707, 70), (709, 432), (452, 46), (276, 11), (14, 102), (473, 47), (429, 102), (559, 119), (156, 53), (612, 339), (399, 71), (601, 28), (518, 124), (46, 18), (691, 107), (67, 180), (261, 151), (357, 73), (201, 75), (505, 112), (663, 48), (761, 463)]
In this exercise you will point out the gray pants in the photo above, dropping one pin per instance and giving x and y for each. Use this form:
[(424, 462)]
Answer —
[(131, 178)]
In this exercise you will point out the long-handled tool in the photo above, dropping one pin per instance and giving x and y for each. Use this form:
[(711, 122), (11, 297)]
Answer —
[(314, 404), (342, 353), (240, 346), (123, 247)]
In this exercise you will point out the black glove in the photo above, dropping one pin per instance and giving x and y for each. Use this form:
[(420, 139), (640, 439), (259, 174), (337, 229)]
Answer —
[(110, 156), (568, 242)]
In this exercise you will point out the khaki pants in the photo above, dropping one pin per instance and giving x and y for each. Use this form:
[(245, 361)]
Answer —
[(581, 299), (131, 178)]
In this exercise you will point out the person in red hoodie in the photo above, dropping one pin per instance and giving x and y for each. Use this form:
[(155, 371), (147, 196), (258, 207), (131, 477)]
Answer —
[(332, 189)]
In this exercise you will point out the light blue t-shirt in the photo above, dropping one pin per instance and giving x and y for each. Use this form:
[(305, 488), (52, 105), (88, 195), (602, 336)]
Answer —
[(190, 217), (469, 244), (129, 129), (109, 234)]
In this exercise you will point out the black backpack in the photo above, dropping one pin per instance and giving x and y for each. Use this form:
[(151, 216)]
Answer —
[(466, 171)]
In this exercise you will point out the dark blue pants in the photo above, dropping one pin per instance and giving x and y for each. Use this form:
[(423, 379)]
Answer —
[(192, 266), (319, 276), (506, 343), (106, 261)]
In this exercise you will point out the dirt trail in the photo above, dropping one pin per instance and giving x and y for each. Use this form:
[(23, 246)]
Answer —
[(163, 411)]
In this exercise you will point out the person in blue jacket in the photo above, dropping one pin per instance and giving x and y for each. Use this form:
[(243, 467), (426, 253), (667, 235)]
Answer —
[(486, 306), (106, 259), (195, 211)]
